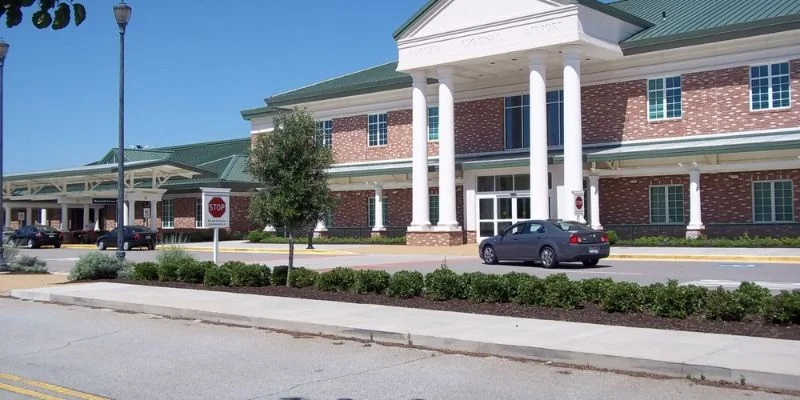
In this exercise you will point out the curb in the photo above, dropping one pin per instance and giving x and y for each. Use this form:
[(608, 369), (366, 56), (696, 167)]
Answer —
[(574, 358), (704, 257)]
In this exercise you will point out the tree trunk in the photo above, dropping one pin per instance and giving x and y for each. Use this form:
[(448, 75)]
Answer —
[(310, 239), (291, 258)]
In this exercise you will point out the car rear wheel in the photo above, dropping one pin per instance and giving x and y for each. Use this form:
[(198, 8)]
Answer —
[(101, 245), (57, 245), (548, 257), (591, 263), (151, 245), (489, 255)]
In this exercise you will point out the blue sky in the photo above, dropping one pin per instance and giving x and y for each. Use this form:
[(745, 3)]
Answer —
[(191, 66)]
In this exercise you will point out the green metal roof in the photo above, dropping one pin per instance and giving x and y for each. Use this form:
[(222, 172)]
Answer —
[(261, 111), (678, 23), (134, 155)]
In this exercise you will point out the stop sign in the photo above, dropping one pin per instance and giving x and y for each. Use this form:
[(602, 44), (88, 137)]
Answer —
[(216, 207), (579, 202)]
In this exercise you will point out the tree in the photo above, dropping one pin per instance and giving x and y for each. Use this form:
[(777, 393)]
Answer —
[(41, 17), (291, 169)]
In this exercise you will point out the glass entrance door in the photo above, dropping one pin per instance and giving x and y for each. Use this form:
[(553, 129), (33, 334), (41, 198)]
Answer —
[(498, 212)]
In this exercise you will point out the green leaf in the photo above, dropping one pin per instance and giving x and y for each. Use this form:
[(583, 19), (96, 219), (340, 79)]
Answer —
[(42, 19), (80, 13), (62, 16), (13, 17), (46, 5)]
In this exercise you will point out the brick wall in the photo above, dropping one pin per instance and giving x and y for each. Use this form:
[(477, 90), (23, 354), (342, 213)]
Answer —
[(713, 102), (353, 206), (627, 200), (728, 197), (479, 126)]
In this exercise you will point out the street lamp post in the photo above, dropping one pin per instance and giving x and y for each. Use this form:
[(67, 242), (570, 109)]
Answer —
[(3, 52), (122, 13)]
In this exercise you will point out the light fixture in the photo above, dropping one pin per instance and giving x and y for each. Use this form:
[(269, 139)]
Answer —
[(122, 13)]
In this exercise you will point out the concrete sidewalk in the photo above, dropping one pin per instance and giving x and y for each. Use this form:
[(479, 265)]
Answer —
[(9, 282), (763, 362)]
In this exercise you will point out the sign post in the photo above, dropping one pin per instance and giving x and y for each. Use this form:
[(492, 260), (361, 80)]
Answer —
[(216, 212), (578, 201)]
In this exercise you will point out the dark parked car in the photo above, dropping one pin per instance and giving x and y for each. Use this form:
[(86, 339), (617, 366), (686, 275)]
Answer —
[(35, 236), (548, 242), (132, 236)]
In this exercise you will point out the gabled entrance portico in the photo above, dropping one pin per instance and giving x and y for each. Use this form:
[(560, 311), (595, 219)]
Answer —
[(476, 44)]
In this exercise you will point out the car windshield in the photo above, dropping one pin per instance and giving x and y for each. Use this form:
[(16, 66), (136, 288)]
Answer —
[(570, 226)]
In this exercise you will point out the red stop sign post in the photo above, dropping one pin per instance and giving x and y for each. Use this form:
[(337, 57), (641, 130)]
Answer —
[(216, 207)]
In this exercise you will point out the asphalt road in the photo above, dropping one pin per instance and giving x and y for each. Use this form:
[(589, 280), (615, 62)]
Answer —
[(711, 274), (133, 356)]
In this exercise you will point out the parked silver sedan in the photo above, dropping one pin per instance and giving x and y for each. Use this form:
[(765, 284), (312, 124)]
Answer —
[(548, 242)]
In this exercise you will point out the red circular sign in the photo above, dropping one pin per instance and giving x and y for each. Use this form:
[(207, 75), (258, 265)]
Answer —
[(216, 207), (579, 202)]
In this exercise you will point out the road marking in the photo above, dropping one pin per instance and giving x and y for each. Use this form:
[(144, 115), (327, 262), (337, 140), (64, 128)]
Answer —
[(738, 265), (53, 388), (713, 283), (27, 392), (62, 259), (603, 273)]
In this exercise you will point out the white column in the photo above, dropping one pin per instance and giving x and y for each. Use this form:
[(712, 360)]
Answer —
[(7, 216), (378, 210), (64, 217), (447, 152), (131, 211), (85, 216), (97, 226), (594, 201), (540, 205), (420, 211), (28, 216), (153, 215), (573, 141), (695, 208), (43, 216), (125, 213)]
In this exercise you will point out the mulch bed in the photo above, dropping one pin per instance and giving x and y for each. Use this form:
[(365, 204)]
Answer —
[(591, 313)]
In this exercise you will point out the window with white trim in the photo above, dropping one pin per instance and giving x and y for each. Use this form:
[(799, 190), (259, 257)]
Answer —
[(371, 211), (664, 98), (168, 213), (433, 208), (773, 201), (377, 130), (433, 123), (666, 204), (769, 86), (325, 133), (198, 212)]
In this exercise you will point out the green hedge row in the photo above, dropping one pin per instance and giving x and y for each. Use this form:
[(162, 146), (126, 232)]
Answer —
[(743, 241), (269, 237), (669, 300)]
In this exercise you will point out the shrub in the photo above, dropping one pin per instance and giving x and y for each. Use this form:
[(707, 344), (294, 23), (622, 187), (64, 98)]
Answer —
[(190, 271), (724, 305), (145, 271), (172, 255), (488, 288), (753, 297), (372, 281), (10, 253), (676, 301), (594, 289), (95, 265), (531, 291), (561, 293), (649, 292), (279, 275), (339, 279), (613, 238), (249, 275), (303, 277), (217, 276), (255, 236), (512, 280), (784, 308), (25, 264), (406, 284), (168, 272), (444, 284), (623, 297)]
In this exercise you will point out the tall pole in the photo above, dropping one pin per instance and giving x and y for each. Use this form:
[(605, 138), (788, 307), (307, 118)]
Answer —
[(3, 49), (122, 13)]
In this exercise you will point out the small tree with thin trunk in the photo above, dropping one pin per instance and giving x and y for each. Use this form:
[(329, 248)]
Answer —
[(291, 166)]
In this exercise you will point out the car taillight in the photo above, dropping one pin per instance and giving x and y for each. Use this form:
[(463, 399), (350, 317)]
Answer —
[(136, 237), (574, 239), (39, 234), (604, 238)]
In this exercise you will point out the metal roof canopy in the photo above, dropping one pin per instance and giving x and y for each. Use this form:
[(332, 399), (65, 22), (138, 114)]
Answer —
[(92, 176)]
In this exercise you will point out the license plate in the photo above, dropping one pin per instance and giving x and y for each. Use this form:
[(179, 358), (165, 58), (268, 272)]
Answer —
[(594, 250), (51, 236), (147, 237)]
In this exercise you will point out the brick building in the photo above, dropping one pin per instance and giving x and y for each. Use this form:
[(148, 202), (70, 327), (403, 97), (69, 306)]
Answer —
[(665, 117)]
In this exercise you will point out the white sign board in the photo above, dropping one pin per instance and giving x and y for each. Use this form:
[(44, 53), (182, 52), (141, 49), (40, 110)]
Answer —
[(146, 213), (579, 204), (216, 208)]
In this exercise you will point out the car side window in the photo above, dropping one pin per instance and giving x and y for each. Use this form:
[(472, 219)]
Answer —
[(535, 228), (516, 229)]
